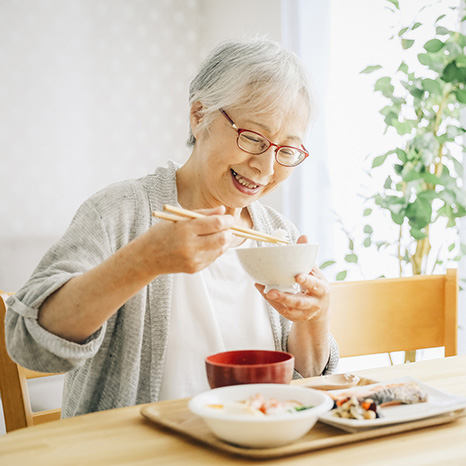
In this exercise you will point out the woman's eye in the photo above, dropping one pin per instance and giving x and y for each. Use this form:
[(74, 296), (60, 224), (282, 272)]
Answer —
[(253, 139), (287, 152)]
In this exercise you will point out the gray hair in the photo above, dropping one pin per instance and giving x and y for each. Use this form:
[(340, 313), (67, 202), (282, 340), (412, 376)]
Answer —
[(256, 75)]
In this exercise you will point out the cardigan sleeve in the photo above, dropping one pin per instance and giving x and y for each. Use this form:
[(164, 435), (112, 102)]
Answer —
[(84, 246)]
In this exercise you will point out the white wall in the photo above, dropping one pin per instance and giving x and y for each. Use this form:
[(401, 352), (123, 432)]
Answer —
[(224, 19), (92, 92)]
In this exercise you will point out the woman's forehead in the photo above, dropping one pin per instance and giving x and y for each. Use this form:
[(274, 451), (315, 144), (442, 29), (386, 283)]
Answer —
[(294, 118)]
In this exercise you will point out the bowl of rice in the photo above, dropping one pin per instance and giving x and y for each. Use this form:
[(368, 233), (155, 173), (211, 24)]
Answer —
[(276, 266)]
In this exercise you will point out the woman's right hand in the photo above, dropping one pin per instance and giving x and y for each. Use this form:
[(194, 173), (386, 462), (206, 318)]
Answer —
[(190, 245), (80, 307)]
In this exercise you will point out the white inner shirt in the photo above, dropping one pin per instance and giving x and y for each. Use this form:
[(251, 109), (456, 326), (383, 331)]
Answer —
[(217, 309)]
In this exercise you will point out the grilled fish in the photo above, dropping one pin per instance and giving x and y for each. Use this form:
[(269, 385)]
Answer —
[(386, 395)]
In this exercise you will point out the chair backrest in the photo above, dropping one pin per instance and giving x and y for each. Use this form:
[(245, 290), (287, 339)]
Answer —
[(397, 314), (14, 389)]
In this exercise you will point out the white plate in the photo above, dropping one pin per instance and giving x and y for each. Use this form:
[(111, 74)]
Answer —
[(438, 403)]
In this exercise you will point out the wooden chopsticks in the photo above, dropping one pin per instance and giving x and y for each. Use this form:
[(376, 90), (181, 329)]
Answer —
[(178, 213)]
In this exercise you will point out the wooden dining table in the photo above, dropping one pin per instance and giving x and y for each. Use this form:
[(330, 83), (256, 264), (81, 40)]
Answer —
[(124, 437)]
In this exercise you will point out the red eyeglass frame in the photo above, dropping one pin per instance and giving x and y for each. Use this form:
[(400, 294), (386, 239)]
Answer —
[(242, 130)]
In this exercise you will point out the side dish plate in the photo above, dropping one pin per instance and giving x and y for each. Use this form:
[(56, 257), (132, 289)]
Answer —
[(438, 403)]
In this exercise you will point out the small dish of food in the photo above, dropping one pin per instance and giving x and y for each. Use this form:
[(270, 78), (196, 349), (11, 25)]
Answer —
[(401, 400), (260, 415)]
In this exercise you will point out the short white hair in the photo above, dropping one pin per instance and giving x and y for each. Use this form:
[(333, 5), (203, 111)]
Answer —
[(256, 75)]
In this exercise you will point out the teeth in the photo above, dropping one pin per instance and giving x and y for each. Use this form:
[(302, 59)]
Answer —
[(242, 181)]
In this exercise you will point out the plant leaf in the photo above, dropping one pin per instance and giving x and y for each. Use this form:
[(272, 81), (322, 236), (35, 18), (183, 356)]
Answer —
[(461, 38), (326, 264), (397, 218), (432, 86), (379, 160), (424, 59), (370, 69), (402, 155), (402, 127), (461, 61), (442, 31), (403, 67), (368, 229), (433, 45), (352, 258), (458, 166), (461, 95), (439, 18), (416, 93), (385, 86), (402, 31), (417, 234), (395, 3), (407, 43), (419, 213), (452, 73), (341, 275)]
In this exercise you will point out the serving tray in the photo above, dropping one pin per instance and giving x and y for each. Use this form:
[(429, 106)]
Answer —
[(176, 416)]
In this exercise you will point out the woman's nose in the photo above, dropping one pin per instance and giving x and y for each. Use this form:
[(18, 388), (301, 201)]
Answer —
[(265, 162)]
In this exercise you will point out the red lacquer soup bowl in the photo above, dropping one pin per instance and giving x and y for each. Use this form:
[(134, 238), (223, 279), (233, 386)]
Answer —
[(249, 366)]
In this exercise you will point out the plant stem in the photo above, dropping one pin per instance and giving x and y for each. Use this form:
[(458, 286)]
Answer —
[(439, 113), (400, 259), (423, 248)]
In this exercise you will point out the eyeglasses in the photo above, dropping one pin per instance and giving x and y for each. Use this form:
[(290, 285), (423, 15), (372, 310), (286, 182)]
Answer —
[(254, 143)]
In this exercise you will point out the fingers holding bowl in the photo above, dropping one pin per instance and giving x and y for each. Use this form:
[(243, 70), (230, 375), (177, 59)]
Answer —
[(314, 284)]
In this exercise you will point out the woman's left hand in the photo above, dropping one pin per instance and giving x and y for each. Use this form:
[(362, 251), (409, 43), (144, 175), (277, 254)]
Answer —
[(309, 311), (312, 302)]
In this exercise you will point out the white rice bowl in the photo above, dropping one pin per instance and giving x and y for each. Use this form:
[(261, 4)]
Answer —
[(277, 266)]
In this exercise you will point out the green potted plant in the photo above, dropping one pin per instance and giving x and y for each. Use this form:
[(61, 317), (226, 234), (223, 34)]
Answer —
[(423, 186)]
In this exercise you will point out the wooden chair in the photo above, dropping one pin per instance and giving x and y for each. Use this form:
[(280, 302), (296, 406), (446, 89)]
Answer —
[(398, 314), (14, 389)]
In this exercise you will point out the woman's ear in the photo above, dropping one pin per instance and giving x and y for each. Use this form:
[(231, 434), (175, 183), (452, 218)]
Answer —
[(196, 115)]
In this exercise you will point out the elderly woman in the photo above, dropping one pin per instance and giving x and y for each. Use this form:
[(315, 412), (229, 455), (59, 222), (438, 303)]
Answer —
[(129, 305)]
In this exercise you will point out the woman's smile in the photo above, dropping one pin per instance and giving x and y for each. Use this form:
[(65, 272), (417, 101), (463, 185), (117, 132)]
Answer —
[(245, 185)]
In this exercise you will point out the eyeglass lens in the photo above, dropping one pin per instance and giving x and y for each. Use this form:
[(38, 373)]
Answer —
[(255, 144)]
